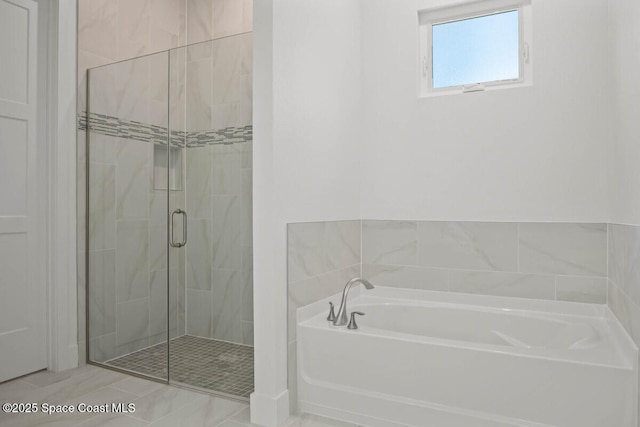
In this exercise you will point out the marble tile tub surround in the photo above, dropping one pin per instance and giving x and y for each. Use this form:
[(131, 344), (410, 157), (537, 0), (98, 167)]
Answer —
[(563, 261), (624, 279), (552, 261), (624, 276)]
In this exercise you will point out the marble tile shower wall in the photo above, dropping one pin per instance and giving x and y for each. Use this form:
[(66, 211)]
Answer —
[(553, 261), (219, 254), (219, 194), (111, 31)]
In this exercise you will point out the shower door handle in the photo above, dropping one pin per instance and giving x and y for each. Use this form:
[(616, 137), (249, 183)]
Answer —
[(184, 229)]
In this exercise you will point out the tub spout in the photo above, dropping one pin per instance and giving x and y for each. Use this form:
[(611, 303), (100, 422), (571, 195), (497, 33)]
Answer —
[(342, 318)]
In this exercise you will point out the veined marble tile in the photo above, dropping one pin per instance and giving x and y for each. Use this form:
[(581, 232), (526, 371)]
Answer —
[(468, 245), (159, 80), (310, 290), (581, 289), (96, 26), (342, 244), (309, 420), (132, 268), (246, 209), (103, 395), (78, 385), (407, 277), (247, 15), (199, 21), (226, 71), (292, 375), (102, 148), (11, 388), (132, 175), (225, 237), (160, 403), (305, 250), (247, 332), (240, 113), (113, 420), (221, 116), (205, 411), (81, 298), (102, 90), (102, 207), (103, 348), (132, 89), (389, 242), (166, 14), (226, 305), (198, 51), (102, 293), (46, 378), (198, 182), (137, 386), (158, 247), (247, 296), (133, 28), (247, 258), (199, 254), (502, 284), (571, 249), (228, 17), (246, 65), (198, 95), (199, 313), (349, 273), (624, 252), (226, 174), (627, 312), (158, 305), (132, 322)]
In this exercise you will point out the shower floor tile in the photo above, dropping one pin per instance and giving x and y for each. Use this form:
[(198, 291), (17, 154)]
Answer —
[(219, 366)]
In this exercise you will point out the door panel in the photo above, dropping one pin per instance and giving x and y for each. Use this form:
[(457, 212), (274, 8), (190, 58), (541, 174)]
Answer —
[(22, 289)]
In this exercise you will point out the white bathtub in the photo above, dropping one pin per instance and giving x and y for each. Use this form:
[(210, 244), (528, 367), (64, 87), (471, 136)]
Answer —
[(425, 358)]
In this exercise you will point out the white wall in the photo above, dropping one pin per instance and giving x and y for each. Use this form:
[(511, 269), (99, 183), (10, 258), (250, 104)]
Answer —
[(624, 16), (535, 153), (306, 156)]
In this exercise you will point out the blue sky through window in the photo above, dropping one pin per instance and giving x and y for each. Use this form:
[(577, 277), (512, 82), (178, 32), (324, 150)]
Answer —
[(476, 50)]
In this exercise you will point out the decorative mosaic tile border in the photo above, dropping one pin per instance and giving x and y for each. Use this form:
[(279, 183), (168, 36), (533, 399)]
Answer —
[(129, 129)]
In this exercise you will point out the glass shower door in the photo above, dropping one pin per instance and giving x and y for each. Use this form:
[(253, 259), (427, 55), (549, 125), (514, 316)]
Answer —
[(210, 98), (128, 197)]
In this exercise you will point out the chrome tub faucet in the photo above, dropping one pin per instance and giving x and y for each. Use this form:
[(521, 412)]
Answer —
[(342, 318)]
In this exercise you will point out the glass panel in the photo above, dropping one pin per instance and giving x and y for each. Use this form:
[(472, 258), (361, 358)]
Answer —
[(476, 50), (127, 216), (211, 116)]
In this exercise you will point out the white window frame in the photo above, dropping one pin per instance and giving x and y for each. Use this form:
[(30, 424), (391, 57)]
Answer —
[(427, 18)]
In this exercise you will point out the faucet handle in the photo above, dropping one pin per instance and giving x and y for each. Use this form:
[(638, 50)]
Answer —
[(352, 323), (332, 314)]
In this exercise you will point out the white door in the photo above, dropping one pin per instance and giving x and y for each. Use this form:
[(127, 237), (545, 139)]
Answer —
[(22, 285)]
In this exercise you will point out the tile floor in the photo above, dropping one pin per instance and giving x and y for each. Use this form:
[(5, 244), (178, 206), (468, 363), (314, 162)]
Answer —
[(215, 365), (155, 404)]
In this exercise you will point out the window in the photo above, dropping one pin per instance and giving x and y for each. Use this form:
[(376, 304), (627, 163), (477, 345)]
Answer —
[(474, 47)]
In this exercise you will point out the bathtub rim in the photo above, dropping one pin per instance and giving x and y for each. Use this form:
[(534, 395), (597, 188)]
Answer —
[(627, 349)]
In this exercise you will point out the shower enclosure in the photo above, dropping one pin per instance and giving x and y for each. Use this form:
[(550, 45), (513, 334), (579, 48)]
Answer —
[(169, 260)]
